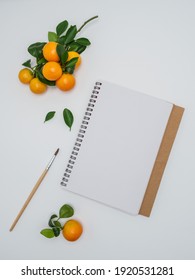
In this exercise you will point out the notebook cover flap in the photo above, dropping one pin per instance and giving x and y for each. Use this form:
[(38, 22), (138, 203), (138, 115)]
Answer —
[(161, 160)]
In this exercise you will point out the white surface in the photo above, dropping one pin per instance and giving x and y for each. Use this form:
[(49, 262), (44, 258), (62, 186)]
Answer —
[(148, 46), (119, 148)]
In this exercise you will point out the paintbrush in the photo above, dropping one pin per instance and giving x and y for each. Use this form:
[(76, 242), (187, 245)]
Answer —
[(34, 190)]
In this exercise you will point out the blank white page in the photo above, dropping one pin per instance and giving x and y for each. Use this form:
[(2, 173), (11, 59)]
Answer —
[(119, 148)]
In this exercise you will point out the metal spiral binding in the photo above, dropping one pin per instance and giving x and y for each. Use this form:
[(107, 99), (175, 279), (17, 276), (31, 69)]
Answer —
[(81, 134)]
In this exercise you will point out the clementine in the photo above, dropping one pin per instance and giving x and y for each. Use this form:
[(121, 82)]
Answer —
[(36, 86), (25, 75), (52, 71), (50, 52), (66, 82), (72, 230)]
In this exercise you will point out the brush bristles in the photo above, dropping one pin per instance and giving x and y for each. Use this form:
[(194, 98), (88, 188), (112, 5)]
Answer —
[(56, 152)]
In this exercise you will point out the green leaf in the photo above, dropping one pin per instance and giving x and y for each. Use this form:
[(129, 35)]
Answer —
[(68, 117), (64, 57), (61, 27), (47, 232), (81, 49), (52, 36), (83, 41), (62, 53), (42, 78), (27, 63), (56, 231), (41, 61), (73, 46), (50, 223), (66, 211), (72, 62), (61, 40), (69, 70), (36, 49), (49, 116), (57, 224), (70, 65), (70, 34)]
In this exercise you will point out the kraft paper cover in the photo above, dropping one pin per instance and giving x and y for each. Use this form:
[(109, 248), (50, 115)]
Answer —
[(161, 160)]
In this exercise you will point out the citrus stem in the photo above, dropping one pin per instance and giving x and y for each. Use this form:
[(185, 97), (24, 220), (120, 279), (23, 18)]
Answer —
[(86, 23)]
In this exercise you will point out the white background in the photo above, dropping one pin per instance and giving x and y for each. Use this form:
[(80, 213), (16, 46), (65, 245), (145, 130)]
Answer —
[(148, 46)]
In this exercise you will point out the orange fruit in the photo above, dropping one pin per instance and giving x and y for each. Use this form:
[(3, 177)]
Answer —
[(72, 230), (36, 86), (50, 52), (66, 82), (73, 54), (25, 75), (52, 71)]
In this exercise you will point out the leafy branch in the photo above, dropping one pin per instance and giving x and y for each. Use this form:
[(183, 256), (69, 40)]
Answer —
[(55, 225), (65, 37)]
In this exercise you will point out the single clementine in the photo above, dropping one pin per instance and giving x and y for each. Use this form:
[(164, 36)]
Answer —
[(52, 71), (50, 52), (36, 86), (25, 75), (72, 230), (66, 82), (73, 54)]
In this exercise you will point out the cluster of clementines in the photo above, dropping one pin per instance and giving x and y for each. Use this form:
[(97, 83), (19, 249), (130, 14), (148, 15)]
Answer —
[(52, 70), (56, 60)]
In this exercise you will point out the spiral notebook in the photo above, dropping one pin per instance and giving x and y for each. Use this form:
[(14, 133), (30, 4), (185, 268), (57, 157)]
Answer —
[(122, 147)]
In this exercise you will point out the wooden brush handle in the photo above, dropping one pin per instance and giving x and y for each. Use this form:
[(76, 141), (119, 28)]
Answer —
[(29, 198)]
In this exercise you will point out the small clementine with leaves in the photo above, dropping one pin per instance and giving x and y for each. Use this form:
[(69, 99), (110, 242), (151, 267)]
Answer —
[(25, 75), (72, 230), (52, 71), (66, 82), (36, 86), (50, 52)]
